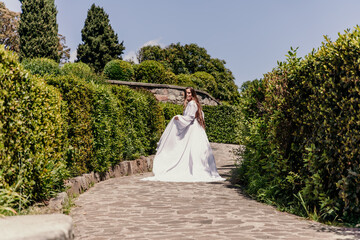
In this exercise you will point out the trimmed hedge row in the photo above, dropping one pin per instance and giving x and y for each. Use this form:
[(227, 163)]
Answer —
[(54, 126), (303, 135), (222, 123)]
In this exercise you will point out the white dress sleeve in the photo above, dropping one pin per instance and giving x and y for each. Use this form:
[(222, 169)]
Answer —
[(188, 117)]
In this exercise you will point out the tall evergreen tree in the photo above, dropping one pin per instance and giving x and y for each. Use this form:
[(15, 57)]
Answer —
[(38, 29), (100, 43)]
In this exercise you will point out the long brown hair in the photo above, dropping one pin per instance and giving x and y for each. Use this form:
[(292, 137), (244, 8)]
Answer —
[(198, 115)]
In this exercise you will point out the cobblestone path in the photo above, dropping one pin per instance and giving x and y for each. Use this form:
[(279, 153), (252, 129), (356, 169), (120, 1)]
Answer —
[(127, 208)]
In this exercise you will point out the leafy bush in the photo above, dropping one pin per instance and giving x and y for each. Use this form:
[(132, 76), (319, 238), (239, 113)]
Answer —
[(143, 121), (170, 78), (221, 123), (170, 110), (119, 70), (150, 71), (107, 128), (302, 144), (41, 66), (78, 95), (78, 69), (207, 82), (186, 80), (32, 132)]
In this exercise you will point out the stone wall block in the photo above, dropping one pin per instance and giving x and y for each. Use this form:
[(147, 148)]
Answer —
[(161, 98), (124, 168)]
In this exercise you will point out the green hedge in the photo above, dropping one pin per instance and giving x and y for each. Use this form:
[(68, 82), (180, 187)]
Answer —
[(302, 143), (221, 123), (78, 95), (143, 121), (32, 129)]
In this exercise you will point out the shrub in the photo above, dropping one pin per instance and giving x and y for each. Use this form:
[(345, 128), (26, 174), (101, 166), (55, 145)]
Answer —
[(119, 70), (186, 80), (170, 78), (143, 121), (78, 69), (221, 123), (41, 66), (170, 110), (207, 82), (150, 71), (78, 95), (107, 128), (32, 136)]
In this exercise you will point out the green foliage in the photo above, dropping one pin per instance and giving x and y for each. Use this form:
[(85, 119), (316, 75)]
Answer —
[(186, 80), (41, 66), (206, 82), (143, 121), (80, 70), (221, 123), (38, 30), (119, 70), (301, 132), (170, 110), (32, 129), (150, 71), (100, 43), (170, 78), (78, 95), (107, 128)]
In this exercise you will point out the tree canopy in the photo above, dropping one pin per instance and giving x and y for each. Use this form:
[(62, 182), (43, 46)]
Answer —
[(100, 43), (38, 29)]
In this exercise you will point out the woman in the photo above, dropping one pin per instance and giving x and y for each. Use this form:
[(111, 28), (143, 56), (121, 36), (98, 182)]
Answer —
[(184, 153)]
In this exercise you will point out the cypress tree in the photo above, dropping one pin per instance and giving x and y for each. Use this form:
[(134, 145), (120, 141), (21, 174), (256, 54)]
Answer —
[(38, 29), (100, 43)]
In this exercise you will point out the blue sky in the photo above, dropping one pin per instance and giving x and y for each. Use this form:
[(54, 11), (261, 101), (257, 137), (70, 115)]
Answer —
[(250, 35)]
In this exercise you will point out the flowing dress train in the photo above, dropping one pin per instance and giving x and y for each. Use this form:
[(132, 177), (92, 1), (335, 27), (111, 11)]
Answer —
[(184, 153)]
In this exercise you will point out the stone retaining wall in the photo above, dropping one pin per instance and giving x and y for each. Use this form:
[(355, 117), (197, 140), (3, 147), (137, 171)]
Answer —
[(169, 93)]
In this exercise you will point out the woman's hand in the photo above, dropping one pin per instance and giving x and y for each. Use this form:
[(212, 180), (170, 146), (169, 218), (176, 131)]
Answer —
[(176, 118)]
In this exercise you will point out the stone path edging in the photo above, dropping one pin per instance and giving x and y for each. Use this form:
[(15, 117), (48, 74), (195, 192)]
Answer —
[(82, 183)]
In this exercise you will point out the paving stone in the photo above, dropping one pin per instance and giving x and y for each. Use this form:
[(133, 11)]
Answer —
[(128, 208)]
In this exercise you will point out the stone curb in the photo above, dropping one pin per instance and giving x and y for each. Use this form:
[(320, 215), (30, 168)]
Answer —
[(82, 183), (37, 227)]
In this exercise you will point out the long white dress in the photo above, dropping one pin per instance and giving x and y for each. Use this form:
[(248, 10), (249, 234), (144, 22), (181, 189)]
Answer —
[(184, 153)]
